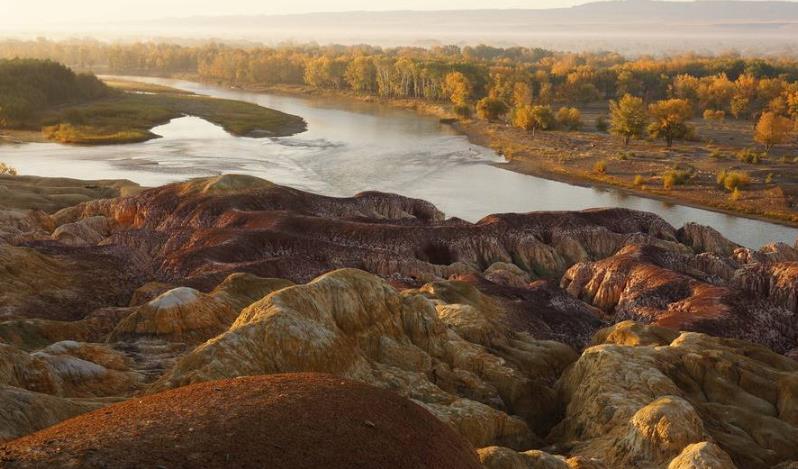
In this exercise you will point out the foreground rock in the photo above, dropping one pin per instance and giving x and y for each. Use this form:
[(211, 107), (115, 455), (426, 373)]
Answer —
[(480, 324), (458, 361), (651, 397), (285, 421)]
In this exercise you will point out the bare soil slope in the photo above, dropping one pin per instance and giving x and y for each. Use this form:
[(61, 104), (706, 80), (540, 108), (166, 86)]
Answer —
[(281, 421)]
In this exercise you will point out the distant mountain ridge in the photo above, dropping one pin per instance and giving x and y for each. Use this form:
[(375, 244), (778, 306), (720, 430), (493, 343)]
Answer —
[(613, 12)]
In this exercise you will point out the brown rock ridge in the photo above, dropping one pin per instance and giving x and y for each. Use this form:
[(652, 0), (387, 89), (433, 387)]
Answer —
[(285, 421), (33, 334), (52, 281), (65, 379), (69, 369), (647, 284), (52, 194), (198, 232), (23, 412)]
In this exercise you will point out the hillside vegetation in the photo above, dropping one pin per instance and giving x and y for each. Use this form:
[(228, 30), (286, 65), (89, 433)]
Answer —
[(79, 108), (28, 87)]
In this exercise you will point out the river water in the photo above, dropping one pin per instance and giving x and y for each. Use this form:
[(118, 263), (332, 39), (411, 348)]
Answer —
[(351, 147)]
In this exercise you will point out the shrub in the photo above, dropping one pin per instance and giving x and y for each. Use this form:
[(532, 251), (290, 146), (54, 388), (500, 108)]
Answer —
[(639, 180), (737, 194), (6, 170), (569, 118), (600, 167), (463, 110), (750, 156), (732, 180), (601, 124), (491, 109), (675, 177), (714, 115), (715, 154), (769, 178)]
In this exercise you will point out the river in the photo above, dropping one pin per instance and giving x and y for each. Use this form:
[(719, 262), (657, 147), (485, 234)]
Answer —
[(350, 147)]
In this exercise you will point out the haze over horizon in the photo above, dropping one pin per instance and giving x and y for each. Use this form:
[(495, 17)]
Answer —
[(38, 13)]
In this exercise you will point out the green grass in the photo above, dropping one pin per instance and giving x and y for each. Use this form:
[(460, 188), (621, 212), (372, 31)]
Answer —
[(129, 114)]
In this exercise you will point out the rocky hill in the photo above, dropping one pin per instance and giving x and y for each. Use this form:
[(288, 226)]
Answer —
[(604, 338)]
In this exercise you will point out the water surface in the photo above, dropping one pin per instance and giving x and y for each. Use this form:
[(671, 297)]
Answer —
[(351, 147)]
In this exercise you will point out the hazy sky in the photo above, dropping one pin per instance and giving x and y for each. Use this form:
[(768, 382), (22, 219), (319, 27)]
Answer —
[(39, 12)]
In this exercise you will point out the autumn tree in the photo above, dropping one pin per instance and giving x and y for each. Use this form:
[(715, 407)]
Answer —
[(531, 118), (772, 129), (522, 94), (325, 72), (361, 75), (628, 118), (491, 109), (669, 119), (792, 104), (458, 88)]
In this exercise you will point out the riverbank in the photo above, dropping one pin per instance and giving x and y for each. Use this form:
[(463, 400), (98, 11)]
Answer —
[(638, 169)]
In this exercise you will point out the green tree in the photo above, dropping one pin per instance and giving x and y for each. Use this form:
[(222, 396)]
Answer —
[(491, 109), (628, 118)]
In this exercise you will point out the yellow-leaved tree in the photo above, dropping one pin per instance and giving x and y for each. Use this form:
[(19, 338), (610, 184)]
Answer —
[(669, 119), (531, 118), (773, 129)]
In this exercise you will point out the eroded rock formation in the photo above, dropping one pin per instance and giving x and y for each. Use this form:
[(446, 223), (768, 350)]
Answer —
[(354, 324), (647, 396), (491, 327)]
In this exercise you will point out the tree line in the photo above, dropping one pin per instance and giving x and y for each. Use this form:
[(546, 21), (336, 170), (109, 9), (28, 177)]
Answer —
[(517, 84)]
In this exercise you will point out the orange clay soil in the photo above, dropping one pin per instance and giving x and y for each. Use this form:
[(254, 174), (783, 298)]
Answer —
[(277, 421)]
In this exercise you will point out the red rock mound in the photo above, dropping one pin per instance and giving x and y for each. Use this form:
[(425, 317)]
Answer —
[(280, 421)]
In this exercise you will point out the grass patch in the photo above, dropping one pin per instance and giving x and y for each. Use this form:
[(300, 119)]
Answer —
[(129, 114)]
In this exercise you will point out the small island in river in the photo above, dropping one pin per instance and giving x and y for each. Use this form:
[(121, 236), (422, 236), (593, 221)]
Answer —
[(54, 103)]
